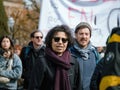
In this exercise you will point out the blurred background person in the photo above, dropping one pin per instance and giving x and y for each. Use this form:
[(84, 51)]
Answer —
[(101, 50), (16, 67), (17, 49), (30, 53), (57, 69)]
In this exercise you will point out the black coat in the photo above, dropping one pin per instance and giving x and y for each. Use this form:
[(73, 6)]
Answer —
[(43, 75), (29, 57)]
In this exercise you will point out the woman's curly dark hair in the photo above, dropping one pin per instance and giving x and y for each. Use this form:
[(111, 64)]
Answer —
[(54, 30)]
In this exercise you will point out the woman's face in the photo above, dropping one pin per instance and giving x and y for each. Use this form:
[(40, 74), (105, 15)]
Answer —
[(5, 43), (59, 43)]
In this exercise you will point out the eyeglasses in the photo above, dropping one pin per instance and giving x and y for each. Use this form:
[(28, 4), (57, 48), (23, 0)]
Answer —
[(57, 39), (37, 37)]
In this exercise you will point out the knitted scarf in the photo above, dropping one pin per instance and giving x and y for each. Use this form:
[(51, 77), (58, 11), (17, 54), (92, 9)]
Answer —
[(63, 65), (84, 52)]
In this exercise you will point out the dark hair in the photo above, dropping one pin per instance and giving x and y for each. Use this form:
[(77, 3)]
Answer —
[(32, 34), (11, 49), (11, 43), (58, 28)]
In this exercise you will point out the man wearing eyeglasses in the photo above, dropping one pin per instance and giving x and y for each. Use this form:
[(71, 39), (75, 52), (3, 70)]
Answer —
[(30, 53)]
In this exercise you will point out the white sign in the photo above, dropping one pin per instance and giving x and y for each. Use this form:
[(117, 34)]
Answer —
[(102, 15)]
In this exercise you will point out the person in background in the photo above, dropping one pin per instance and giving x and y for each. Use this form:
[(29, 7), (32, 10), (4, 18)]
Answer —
[(57, 69), (17, 49), (101, 50), (30, 53), (107, 72), (85, 52), (15, 70)]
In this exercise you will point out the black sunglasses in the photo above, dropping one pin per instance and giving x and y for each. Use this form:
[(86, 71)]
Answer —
[(57, 39), (37, 37)]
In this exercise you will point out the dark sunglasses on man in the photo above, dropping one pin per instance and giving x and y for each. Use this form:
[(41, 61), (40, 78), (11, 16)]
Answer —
[(37, 37)]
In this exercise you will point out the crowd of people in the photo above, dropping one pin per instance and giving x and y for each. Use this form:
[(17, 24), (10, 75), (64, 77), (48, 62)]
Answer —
[(61, 62)]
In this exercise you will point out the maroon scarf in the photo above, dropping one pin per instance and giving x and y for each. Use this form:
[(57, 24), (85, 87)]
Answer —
[(63, 65)]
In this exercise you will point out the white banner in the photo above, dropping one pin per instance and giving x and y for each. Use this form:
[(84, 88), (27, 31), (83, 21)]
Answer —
[(102, 15)]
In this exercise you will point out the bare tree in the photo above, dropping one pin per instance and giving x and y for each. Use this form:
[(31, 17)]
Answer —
[(3, 20)]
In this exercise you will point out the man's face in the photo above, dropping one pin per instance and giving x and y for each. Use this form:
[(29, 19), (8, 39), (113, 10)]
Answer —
[(37, 39), (83, 37)]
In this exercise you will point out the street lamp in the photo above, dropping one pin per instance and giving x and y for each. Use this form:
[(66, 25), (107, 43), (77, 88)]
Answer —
[(11, 23), (28, 4)]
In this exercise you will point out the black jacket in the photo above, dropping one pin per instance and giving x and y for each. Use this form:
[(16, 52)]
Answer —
[(29, 57), (44, 73)]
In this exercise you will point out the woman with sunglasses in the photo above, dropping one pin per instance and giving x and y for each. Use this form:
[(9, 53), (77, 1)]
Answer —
[(57, 69)]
